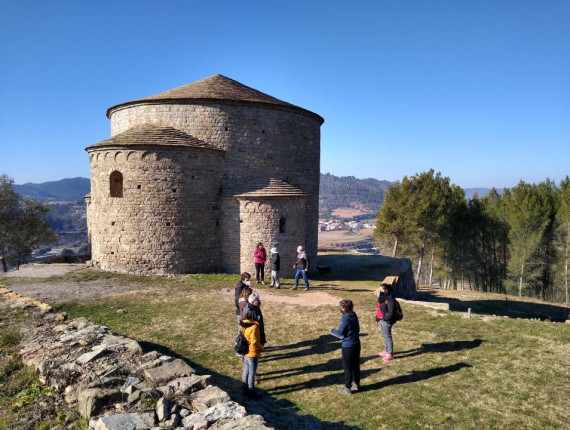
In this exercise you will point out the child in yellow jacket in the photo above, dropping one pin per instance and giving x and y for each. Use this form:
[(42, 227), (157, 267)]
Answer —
[(251, 333)]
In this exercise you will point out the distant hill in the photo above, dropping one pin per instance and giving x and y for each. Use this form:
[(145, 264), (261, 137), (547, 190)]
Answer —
[(347, 191), (64, 190), (481, 192)]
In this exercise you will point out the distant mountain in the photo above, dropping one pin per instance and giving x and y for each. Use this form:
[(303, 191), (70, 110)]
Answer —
[(481, 192), (347, 191), (64, 190)]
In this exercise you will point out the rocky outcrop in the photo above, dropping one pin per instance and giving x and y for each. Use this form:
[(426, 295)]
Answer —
[(110, 381)]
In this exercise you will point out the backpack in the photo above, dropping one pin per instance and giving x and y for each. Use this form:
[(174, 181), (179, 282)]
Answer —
[(241, 345), (398, 313)]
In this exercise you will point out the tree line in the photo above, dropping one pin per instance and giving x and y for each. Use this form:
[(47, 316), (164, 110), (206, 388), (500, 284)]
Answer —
[(23, 225), (514, 241)]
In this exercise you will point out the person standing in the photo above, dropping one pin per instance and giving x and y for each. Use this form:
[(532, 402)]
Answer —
[(349, 332), (254, 305), (275, 267), (251, 332), (243, 283), (302, 266), (259, 257), (385, 318), (245, 293)]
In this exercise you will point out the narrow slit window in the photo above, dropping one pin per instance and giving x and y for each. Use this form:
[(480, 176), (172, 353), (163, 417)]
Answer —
[(282, 223), (116, 184)]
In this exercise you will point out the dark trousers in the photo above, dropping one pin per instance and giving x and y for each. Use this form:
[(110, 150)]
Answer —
[(351, 365), (259, 271)]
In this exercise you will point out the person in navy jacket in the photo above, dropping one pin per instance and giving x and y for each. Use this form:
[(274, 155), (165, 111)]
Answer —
[(349, 333)]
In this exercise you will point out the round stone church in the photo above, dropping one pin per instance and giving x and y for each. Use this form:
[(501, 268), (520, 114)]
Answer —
[(193, 178)]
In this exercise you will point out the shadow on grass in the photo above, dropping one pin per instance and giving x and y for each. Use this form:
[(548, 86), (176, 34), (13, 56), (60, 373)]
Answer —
[(335, 378), (278, 413), (509, 307), (321, 345), (441, 347), (415, 376), (334, 363), (349, 267)]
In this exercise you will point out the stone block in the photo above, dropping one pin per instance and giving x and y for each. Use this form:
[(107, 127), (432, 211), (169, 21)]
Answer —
[(208, 397), (93, 400), (227, 410), (167, 371), (180, 386), (130, 421)]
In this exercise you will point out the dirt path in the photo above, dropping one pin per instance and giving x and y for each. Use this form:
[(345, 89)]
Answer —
[(311, 299)]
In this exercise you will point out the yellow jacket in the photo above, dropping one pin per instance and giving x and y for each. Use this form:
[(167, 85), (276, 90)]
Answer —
[(251, 333)]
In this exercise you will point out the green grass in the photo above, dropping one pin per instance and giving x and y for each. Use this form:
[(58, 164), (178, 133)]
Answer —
[(451, 372)]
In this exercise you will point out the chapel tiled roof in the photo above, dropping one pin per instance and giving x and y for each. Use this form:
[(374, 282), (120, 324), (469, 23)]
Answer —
[(261, 187), (154, 135), (216, 88)]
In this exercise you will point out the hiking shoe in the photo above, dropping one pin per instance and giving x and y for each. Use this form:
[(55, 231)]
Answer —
[(388, 357), (306, 289), (383, 353), (294, 288), (345, 390)]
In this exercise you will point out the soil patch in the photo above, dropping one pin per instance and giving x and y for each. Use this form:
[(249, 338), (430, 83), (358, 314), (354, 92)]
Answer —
[(54, 291)]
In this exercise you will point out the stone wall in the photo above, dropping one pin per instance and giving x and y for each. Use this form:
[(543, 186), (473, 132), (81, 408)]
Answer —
[(167, 218), (260, 222), (259, 142), (110, 381)]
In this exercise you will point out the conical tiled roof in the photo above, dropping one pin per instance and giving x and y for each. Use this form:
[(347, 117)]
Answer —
[(216, 88), (261, 187), (154, 135)]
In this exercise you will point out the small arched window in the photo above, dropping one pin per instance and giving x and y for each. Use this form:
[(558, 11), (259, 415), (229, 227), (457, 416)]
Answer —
[(282, 225), (116, 184)]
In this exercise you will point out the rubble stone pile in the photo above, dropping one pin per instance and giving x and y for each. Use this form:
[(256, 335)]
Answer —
[(111, 382)]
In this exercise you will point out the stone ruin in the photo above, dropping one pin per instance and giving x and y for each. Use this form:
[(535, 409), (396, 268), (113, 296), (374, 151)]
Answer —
[(109, 380)]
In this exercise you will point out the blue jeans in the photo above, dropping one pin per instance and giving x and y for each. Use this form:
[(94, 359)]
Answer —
[(305, 277), (249, 369), (386, 329)]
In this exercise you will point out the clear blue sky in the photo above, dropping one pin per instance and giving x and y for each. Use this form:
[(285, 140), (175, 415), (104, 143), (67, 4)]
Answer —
[(479, 90)]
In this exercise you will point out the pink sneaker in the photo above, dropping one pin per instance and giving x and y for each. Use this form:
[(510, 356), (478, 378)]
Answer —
[(383, 353), (388, 357)]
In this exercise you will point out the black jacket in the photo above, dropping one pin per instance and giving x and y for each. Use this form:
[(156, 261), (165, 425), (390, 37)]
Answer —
[(257, 316), (387, 305), (238, 288), (275, 262), (302, 262)]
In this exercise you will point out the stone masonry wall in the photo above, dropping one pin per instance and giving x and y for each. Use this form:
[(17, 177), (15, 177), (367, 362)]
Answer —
[(167, 220), (260, 223), (112, 383), (259, 142)]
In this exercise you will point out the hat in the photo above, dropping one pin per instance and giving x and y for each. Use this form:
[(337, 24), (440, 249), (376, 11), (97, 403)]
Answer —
[(252, 298), (273, 250)]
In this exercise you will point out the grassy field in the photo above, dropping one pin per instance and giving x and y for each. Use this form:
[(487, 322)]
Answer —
[(342, 237), (450, 372)]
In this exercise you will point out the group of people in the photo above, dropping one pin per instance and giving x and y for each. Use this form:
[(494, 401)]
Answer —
[(250, 322), (260, 257)]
